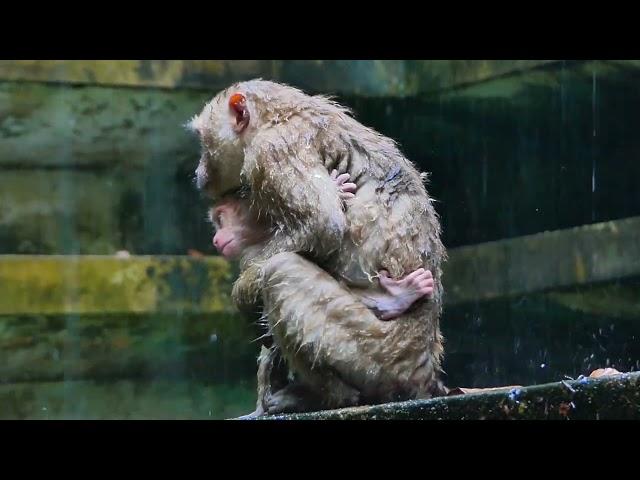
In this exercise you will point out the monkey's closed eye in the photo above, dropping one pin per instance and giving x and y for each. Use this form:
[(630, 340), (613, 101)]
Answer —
[(214, 217)]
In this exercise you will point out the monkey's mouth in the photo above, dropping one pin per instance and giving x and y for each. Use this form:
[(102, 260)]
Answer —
[(227, 249)]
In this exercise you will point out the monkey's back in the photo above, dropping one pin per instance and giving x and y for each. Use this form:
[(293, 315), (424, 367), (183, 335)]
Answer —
[(391, 222), (391, 225)]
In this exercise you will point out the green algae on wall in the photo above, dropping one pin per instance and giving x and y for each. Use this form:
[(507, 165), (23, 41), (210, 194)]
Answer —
[(111, 285)]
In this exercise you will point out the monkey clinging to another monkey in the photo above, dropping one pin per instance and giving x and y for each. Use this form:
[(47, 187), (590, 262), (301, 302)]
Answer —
[(309, 273), (239, 233)]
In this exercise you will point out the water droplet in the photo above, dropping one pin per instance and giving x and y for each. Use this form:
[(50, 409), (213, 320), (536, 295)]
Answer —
[(542, 365), (513, 395), (213, 338)]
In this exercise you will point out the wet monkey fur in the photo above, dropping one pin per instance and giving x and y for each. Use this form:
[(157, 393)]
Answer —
[(282, 145), (239, 233)]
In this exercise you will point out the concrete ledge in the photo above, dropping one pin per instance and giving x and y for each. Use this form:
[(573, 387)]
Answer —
[(605, 398)]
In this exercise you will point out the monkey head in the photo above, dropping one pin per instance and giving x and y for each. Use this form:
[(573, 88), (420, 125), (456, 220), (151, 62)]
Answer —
[(236, 227), (227, 125), (220, 127)]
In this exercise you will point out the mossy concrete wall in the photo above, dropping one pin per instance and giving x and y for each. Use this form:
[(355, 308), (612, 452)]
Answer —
[(93, 284), (58, 284), (94, 159), (359, 77)]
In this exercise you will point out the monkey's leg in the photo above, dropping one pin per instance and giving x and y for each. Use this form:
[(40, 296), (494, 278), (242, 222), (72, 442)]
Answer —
[(310, 389), (295, 397), (266, 361), (277, 393), (271, 377), (398, 295), (333, 343)]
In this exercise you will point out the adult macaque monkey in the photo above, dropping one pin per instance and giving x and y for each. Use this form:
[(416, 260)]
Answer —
[(282, 144)]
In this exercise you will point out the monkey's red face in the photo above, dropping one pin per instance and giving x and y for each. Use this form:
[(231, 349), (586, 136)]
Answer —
[(228, 238), (235, 228)]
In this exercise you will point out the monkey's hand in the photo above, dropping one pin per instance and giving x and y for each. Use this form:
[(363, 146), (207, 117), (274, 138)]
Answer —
[(345, 190)]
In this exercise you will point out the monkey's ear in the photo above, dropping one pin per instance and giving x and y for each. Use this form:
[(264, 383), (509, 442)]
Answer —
[(238, 106)]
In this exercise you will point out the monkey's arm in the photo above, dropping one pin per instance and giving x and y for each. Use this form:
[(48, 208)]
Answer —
[(248, 287), (297, 191)]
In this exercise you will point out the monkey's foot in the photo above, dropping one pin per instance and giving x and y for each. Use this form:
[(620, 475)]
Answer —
[(404, 292), (290, 399), (256, 413)]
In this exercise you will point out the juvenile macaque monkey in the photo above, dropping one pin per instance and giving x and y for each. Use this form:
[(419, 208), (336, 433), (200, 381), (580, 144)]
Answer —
[(283, 145), (239, 232)]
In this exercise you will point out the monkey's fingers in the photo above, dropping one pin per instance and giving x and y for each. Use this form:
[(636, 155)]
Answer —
[(417, 277), (425, 285), (425, 291), (349, 187), (423, 277), (346, 195), (334, 174), (342, 178), (254, 414), (413, 276)]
